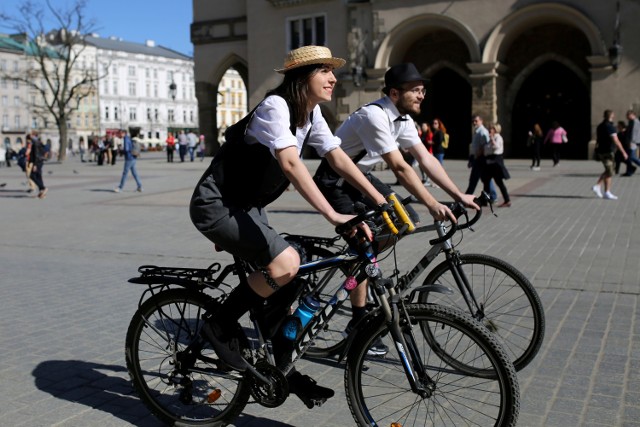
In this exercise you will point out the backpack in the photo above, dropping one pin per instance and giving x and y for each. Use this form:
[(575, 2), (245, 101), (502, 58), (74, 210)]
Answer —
[(135, 148), (445, 142)]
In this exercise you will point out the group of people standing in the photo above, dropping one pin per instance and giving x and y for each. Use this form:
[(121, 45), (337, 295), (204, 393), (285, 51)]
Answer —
[(185, 143)]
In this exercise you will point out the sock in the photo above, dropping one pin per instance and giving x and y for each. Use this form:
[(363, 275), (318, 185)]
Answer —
[(358, 313), (239, 301)]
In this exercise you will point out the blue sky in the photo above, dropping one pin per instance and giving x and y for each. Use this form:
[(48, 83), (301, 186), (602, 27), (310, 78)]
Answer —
[(166, 22)]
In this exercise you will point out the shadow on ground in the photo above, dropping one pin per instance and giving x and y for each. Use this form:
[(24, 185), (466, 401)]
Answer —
[(103, 387)]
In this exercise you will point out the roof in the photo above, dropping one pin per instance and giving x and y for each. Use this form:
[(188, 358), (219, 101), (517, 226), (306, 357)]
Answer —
[(13, 43), (131, 47)]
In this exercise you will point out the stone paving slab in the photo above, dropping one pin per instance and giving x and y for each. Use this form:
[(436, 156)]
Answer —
[(66, 303)]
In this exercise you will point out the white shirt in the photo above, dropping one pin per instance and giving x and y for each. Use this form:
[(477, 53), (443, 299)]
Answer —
[(270, 127), (498, 148), (378, 131)]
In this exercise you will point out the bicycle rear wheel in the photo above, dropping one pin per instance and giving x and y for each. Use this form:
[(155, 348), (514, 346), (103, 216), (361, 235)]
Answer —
[(379, 392), (510, 306), (159, 332)]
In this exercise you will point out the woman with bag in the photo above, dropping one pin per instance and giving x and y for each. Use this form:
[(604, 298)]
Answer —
[(556, 136), (494, 165), (258, 161), (534, 142)]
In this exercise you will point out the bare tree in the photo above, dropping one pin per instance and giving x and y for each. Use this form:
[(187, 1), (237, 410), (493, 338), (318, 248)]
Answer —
[(54, 40)]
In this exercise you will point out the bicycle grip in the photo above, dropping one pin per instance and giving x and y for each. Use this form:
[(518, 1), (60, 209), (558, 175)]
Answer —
[(446, 237)]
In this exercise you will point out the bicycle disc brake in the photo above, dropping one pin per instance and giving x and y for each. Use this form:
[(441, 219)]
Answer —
[(272, 394)]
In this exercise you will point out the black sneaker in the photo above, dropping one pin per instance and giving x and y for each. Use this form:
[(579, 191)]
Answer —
[(226, 344), (308, 390), (378, 348)]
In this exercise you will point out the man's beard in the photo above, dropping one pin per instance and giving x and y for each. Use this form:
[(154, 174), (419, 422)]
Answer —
[(406, 108)]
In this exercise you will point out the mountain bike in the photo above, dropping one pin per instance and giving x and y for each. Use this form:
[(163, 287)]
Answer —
[(492, 291), (181, 380)]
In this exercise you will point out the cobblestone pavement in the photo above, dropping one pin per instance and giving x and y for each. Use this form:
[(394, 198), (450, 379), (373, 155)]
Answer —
[(66, 303)]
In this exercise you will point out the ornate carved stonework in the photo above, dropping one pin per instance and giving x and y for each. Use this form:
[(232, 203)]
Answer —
[(219, 30), (288, 3)]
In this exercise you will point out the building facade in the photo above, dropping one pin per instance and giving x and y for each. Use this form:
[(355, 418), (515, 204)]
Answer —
[(516, 62), (144, 87)]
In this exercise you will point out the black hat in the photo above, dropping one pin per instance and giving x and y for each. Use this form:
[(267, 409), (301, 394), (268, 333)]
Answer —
[(402, 73)]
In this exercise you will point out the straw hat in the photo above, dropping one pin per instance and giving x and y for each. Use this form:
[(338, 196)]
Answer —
[(307, 55)]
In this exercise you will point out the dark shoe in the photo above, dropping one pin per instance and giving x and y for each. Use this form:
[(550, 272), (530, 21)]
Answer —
[(505, 205), (378, 348), (226, 344), (308, 390)]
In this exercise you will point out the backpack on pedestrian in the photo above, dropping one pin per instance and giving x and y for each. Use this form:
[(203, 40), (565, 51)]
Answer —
[(135, 148), (445, 142)]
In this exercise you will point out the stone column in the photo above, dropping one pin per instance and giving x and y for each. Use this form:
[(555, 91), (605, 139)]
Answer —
[(207, 120)]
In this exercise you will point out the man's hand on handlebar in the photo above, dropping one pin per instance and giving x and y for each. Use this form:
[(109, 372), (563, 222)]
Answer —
[(351, 232), (441, 212), (469, 200)]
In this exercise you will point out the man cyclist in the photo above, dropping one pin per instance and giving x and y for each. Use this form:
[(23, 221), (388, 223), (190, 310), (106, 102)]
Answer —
[(378, 130)]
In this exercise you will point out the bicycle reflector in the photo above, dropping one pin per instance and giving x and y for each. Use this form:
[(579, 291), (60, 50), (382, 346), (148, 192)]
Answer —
[(401, 214)]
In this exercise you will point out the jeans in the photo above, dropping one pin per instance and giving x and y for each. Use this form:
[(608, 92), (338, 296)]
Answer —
[(477, 165), (182, 150), (440, 157), (129, 165), (632, 159), (192, 151)]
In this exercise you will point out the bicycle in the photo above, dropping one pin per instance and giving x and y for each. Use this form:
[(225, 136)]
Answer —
[(180, 379), (492, 291)]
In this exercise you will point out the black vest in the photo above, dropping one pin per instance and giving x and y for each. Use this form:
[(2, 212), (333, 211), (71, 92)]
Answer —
[(247, 174)]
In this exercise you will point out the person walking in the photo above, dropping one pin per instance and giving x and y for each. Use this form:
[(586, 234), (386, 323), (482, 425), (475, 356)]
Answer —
[(556, 136), (494, 167), (192, 142), (606, 141), (36, 153), (130, 158), (171, 147), (631, 143), (24, 163), (621, 127), (476, 157), (183, 142), (201, 147), (535, 145), (258, 161), (426, 136)]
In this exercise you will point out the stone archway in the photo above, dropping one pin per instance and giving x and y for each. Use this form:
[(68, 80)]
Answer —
[(207, 94)]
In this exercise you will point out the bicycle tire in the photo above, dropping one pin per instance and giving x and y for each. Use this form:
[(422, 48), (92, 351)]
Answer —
[(512, 308), (176, 316), (330, 341), (378, 391)]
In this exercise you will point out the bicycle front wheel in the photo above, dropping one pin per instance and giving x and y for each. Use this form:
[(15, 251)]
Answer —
[(158, 334), (379, 392), (509, 305)]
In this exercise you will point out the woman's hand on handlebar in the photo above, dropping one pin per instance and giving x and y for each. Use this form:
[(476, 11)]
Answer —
[(341, 219)]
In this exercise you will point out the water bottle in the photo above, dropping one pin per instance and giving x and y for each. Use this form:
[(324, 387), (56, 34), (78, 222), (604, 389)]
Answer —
[(301, 317)]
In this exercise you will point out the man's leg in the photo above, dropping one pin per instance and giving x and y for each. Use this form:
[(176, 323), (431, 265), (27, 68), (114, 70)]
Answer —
[(125, 173)]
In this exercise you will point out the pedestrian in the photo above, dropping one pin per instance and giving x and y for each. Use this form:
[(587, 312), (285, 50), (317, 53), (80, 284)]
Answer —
[(494, 168), (476, 157), (25, 165), (426, 136), (130, 158), (254, 167), (82, 147), (183, 142), (606, 142), (171, 147), (202, 148), (556, 137), (534, 142), (36, 155), (383, 129), (439, 132), (192, 142), (621, 128), (631, 142)]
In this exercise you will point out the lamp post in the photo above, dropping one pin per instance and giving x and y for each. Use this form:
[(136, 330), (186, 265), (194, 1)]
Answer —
[(615, 51)]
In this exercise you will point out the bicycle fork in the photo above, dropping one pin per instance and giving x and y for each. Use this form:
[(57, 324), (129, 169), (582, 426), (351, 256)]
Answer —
[(404, 339)]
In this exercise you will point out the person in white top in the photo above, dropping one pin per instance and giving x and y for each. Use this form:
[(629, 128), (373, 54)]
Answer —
[(379, 130), (258, 161), (495, 168)]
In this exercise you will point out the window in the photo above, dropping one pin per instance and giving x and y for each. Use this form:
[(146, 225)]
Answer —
[(77, 120), (133, 114), (106, 113), (5, 120), (3, 83), (16, 67), (170, 115), (155, 114), (3, 65), (184, 116), (16, 101), (34, 122), (115, 87), (147, 72), (147, 89), (17, 122), (310, 30), (115, 113), (86, 120), (132, 88), (149, 116), (5, 101), (155, 73), (191, 116), (16, 84), (132, 71), (155, 90)]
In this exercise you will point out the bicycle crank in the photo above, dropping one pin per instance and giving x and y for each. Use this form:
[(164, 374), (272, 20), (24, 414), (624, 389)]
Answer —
[(272, 393)]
